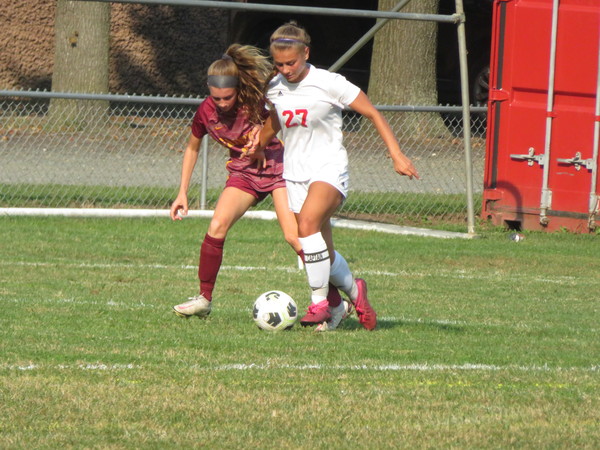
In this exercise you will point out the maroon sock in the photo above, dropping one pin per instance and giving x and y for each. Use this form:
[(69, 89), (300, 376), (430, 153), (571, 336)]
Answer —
[(211, 255), (333, 297)]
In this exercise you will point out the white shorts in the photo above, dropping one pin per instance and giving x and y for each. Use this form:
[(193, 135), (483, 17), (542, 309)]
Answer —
[(297, 191)]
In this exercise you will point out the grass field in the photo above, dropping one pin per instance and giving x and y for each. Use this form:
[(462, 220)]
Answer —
[(481, 343)]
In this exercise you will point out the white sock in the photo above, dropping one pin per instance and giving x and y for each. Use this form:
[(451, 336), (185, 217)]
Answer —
[(341, 277), (317, 263)]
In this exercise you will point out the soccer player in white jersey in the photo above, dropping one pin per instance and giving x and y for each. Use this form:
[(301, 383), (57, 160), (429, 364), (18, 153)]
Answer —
[(306, 107)]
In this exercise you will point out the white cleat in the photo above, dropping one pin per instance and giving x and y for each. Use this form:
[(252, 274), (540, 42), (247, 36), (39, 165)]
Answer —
[(323, 327), (349, 309), (338, 314), (195, 306)]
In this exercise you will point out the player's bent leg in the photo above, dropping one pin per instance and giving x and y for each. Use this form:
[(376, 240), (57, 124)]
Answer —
[(316, 259), (211, 257), (286, 219), (341, 276), (321, 202), (232, 205)]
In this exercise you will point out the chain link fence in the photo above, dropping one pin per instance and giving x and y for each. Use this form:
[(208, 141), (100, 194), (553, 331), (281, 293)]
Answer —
[(124, 154)]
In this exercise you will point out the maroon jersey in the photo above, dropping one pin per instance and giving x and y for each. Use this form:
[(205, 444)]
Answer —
[(231, 130)]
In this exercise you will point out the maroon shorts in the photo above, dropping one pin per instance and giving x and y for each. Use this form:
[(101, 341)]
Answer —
[(258, 187)]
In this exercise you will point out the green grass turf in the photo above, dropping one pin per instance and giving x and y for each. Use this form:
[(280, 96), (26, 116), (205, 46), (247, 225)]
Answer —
[(481, 343)]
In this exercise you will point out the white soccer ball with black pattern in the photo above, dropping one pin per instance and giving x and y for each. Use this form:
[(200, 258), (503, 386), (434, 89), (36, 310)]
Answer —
[(275, 311)]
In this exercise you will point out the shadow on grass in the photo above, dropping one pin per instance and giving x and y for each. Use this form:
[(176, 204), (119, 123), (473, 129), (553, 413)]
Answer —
[(352, 323)]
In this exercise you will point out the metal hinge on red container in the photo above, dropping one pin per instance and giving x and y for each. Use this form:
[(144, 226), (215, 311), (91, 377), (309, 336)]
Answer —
[(530, 157), (498, 95)]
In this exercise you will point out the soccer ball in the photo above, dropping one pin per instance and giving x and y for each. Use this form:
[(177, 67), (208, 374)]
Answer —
[(275, 311)]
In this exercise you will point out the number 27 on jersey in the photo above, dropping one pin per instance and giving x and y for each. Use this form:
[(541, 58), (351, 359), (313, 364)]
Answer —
[(290, 115)]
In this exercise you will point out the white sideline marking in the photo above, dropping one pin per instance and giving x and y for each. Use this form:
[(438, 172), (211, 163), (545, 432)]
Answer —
[(263, 215), (95, 366), (424, 367), (457, 274), (401, 367), (85, 302), (139, 266)]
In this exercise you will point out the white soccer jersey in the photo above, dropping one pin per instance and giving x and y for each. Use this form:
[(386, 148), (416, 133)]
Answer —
[(310, 114)]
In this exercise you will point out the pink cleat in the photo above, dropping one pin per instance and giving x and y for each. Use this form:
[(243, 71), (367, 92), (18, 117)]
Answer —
[(366, 314), (317, 313)]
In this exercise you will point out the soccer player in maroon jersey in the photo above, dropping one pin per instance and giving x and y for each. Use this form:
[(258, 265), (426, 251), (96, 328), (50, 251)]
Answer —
[(232, 115)]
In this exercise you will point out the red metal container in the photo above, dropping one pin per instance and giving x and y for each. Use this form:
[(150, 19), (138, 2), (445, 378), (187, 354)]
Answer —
[(544, 115)]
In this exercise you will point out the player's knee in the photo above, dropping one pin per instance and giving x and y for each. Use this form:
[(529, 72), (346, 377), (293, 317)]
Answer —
[(307, 226), (292, 239), (218, 228)]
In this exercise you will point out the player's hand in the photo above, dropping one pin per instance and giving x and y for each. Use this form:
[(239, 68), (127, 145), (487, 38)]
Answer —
[(404, 166), (259, 157), (253, 140), (179, 208)]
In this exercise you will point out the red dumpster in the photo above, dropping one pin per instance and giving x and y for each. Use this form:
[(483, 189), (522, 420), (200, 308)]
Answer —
[(541, 168)]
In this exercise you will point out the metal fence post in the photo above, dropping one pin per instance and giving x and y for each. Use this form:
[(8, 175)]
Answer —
[(204, 181), (464, 82)]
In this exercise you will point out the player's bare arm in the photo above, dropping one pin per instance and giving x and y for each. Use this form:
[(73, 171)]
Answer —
[(270, 129), (402, 164), (268, 132), (179, 207)]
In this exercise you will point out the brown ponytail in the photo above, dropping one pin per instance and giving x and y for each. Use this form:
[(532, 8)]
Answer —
[(253, 70)]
